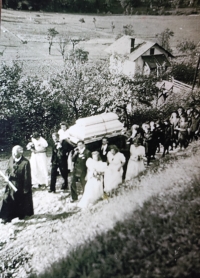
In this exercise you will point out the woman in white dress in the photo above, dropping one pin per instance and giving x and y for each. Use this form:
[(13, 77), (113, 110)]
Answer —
[(136, 162), (113, 174), (38, 160), (94, 186)]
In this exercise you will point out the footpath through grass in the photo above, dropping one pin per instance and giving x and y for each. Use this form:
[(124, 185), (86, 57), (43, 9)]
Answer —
[(159, 239)]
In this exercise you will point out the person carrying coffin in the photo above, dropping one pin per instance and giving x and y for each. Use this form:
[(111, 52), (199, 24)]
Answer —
[(79, 159), (59, 157), (104, 149)]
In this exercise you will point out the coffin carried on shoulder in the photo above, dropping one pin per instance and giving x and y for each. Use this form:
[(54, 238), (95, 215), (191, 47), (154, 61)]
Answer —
[(93, 128)]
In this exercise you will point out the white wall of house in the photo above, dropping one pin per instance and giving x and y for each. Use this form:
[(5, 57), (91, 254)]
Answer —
[(139, 65), (122, 67), (130, 68)]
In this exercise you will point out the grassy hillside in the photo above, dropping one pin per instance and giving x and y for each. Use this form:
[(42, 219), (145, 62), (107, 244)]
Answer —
[(149, 228), (24, 34), (160, 238)]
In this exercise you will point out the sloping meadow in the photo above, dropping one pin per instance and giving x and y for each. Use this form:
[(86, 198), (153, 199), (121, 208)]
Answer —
[(160, 238)]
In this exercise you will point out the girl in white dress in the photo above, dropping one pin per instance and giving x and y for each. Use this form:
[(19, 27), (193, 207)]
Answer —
[(113, 174), (136, 162), (38, 160), (94, 186)]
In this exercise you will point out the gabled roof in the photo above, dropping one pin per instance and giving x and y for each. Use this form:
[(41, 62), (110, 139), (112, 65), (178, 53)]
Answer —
[(122, 46)]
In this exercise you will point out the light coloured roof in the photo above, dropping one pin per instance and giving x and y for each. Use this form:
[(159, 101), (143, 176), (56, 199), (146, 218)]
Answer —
[(123, 46), (141, 50)]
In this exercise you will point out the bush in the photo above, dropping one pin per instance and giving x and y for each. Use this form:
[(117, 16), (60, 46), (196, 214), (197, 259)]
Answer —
[(186, 46), (183, 72)]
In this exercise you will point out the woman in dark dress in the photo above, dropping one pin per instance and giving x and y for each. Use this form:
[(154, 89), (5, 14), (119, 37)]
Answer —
[(19, 203)]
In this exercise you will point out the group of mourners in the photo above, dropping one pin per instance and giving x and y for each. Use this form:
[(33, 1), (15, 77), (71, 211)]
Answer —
[(99, 172)]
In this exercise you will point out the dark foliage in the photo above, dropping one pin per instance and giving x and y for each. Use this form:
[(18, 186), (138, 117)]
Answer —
[(159, 240), (183, 72), (113, 6)]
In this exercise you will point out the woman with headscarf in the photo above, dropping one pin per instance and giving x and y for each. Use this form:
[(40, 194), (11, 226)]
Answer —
[(94, 186), (38, 160), (17, 203)]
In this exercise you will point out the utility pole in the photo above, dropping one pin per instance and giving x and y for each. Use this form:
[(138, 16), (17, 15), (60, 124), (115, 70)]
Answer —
[(0, 15), (196, 73)]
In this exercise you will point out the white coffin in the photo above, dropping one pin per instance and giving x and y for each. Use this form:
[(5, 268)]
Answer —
[(93, 128)]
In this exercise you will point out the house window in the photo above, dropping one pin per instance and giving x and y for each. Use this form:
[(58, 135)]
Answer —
[(132, 44), (152, 50)]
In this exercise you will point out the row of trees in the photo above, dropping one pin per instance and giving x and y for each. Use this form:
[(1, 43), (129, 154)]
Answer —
[(94, 5), (80, 89), (28, 104)]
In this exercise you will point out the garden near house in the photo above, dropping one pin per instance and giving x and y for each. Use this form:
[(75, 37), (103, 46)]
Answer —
[(54, 68)]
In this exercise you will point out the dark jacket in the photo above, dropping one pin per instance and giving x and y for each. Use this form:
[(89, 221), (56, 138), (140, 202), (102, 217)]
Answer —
[(102, 155), (80, 168), (60, 154)]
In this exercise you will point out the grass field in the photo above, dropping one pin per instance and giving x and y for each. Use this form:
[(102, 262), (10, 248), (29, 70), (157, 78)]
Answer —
[(24, 34)]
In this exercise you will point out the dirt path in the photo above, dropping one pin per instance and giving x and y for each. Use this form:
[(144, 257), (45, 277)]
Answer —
[(58, 226)]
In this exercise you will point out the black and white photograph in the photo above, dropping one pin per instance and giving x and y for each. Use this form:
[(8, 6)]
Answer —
[(100, 138)]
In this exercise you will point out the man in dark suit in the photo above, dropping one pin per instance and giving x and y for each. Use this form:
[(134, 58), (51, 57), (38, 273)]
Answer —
[(79, 158), (59, 157), (104, 149)]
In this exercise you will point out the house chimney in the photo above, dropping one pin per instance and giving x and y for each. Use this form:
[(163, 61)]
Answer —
[(132, 44)]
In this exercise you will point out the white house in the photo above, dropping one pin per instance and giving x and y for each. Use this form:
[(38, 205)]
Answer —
[(132, 56)]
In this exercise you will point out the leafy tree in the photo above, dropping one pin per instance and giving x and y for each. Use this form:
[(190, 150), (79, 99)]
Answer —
[(133, 3), (183, 72), (78, 54), (82, 20), (51, 34), (186, 46), (94, 21), (112, 27), (75, 41), (127, 30), (26, 104), (164, 39), (63, 42), (122, 91), (10, 76), (77, 87)]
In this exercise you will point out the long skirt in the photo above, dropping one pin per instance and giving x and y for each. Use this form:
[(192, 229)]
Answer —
[(16, 204), (39, 170), (92, 192), (134, 168), (112, 178)]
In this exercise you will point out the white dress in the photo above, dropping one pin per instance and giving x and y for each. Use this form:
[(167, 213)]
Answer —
[(113, 177), (135, 163), (38, 162), (94, 186)]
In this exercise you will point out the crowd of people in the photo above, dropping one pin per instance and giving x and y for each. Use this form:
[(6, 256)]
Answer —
[(99, 172)]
